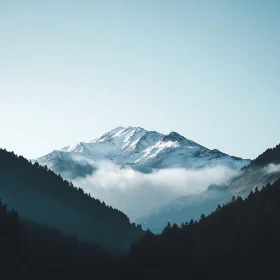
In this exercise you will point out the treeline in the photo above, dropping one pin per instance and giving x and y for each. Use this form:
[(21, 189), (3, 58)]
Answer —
[(240, 232), (271, 155), (238, 228)]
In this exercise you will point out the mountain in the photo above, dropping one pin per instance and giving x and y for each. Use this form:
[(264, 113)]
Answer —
[(45, 198), (139, 149), (259, 172)]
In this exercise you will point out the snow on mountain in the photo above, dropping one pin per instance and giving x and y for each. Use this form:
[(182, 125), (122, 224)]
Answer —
[(139, 149)]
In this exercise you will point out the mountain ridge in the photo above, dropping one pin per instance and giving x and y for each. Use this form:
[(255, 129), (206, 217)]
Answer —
[(139, 149)]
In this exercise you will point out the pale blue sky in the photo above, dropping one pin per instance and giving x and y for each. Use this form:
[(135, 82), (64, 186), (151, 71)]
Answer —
[(72, 70)]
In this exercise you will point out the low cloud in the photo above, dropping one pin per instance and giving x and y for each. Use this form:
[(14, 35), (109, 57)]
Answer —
[(272, 168), (137, 194)]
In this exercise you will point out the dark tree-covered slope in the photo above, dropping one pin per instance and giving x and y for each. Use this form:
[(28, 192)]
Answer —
[(259, 172), (28, 247), (187, 207), (10, 237), (44, 197), (249, 227), (242, 234), (271, 155)]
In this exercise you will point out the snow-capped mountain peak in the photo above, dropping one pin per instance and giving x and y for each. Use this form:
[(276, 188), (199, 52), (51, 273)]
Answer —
[(121, 134), (140, 149), (174, 136)]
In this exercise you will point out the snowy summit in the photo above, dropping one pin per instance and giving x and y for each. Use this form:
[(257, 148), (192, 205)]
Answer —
[(139, 149)]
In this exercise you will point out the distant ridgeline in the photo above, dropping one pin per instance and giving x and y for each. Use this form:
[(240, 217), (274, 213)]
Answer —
[(40, 195)]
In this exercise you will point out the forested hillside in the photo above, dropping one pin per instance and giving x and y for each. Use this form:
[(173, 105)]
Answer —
[(39, 194), (29, 247), (234, 237), (271, 155), (239, 228)]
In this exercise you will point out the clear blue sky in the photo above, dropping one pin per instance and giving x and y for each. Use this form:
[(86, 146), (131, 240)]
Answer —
[(72, 70)]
